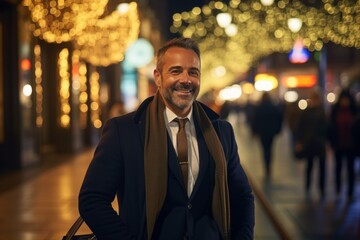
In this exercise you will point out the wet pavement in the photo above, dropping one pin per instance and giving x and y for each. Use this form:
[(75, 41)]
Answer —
[(41, 202)]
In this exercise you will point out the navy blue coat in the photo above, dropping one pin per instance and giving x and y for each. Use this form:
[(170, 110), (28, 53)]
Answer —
[(117, 169)]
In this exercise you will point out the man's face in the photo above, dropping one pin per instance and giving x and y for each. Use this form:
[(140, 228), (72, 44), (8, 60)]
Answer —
[(179, 80)]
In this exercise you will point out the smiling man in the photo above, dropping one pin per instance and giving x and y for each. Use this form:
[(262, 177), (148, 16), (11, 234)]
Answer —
[(173, 164)]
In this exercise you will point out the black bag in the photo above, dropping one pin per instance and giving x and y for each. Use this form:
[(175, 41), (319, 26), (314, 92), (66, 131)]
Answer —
[(70, 235)]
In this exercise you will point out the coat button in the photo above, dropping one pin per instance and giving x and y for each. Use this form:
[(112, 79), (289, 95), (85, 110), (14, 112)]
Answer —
[(189, 206)]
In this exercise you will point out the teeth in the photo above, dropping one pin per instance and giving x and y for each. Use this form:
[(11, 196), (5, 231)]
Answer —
[(183, 90)]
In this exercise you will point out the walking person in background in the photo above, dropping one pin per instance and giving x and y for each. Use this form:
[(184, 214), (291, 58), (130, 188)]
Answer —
[(173, 165), (266, 124), (342, 120), (291, 118), (311, 139)]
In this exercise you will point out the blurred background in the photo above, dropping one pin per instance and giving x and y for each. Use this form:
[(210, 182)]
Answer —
[(67, 66)]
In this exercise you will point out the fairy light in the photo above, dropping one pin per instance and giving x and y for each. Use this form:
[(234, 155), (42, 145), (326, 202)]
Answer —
[(102, 40), (60, 21), (38, 87), (64, 88), (262, 30), (95, 99), (83, 96)]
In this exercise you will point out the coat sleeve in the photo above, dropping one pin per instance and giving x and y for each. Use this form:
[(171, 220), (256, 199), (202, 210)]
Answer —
[(241, 197), (101, 183)]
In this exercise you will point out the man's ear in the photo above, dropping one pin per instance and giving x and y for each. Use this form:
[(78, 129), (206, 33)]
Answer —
[(157, 77)]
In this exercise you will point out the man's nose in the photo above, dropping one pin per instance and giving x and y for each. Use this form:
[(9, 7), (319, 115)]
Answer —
[(185, 77)]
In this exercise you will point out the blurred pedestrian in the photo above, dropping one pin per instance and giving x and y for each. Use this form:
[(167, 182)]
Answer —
[(267, 123), (342, 120), (311, 138), (291, 117)]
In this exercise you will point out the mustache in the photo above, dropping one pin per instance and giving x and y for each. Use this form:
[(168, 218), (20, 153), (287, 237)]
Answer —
[(184, 86)]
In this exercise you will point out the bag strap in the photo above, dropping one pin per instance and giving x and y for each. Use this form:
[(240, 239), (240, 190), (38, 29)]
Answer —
[(74, 228)]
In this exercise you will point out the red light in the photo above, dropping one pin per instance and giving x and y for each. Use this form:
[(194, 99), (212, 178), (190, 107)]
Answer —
[(25, 64), (299, 81)]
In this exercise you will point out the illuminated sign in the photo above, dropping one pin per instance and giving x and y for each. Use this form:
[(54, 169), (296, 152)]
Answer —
[(299, 81), (299, 54)]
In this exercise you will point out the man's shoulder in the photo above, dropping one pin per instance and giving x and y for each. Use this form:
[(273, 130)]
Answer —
[(122, 121)]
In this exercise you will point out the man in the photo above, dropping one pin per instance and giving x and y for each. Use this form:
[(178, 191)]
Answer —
[(137, 161)]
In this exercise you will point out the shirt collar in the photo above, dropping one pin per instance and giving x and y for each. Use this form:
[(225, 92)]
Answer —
[(170, 116)]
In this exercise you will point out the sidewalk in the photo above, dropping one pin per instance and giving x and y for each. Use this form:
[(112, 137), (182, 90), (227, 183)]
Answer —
[(295, 215), (40, 203)]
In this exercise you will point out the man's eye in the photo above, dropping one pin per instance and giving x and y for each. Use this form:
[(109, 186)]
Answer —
[(175, 72), (194, 73)]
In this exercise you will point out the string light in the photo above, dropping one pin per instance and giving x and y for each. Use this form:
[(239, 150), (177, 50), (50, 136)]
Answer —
[(263, 30), (83, 96), (95, 99), (60, 21), (101, 40), (38, 87), (104, 41), (64, 88)]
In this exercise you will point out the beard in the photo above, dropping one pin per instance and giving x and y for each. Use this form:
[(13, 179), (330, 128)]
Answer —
[(180, 96)]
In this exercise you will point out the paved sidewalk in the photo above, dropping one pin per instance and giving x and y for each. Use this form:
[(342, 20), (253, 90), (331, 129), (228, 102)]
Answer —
[(294, 214), (40, 203)]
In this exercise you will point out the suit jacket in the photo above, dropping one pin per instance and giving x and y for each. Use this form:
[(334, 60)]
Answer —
[(117, 169)]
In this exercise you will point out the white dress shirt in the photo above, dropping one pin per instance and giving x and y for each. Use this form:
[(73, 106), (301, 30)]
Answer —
[(193, 150)]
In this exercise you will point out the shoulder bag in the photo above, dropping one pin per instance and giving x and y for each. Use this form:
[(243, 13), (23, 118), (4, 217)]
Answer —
[(71, 234)]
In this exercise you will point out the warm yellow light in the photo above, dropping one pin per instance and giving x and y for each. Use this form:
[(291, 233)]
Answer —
[(123, 8), (38, 86), (291, 96), (231, 30), (101, 39), (330, 97), (231, 93), (64, 88), (267, 2), (248, 88), (104, 41), (265, 82), (294, 24), (62, 21), (299, 81), (27, 90), (223, 19), (97, 123), (302, 104), (263, 30)]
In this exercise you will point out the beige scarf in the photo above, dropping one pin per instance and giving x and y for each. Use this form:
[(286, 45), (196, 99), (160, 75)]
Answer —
[(156, 165)]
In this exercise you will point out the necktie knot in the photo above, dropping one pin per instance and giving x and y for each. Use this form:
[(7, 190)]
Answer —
[(181, 122)]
